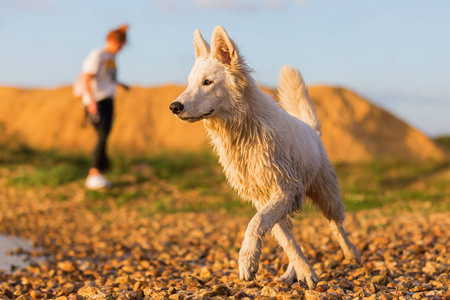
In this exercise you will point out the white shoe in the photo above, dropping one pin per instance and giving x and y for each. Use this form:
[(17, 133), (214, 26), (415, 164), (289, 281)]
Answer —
[(97, 181)]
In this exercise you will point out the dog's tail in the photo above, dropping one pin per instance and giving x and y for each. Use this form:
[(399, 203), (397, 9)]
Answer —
[(294, 97)]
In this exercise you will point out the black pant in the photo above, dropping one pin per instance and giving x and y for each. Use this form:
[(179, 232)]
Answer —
[(102, 125)]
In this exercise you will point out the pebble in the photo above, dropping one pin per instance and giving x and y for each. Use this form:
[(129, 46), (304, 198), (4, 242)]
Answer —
[(35, 294), (370, 288), (380, 279), (269, 291), (313, 295)]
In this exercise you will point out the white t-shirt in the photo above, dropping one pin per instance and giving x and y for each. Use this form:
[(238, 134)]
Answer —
[(103, 66)]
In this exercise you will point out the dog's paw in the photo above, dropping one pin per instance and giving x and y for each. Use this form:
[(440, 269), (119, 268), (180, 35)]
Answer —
[(309, 278), (353, 255), (288, 276), (304, 273), (248, 266)]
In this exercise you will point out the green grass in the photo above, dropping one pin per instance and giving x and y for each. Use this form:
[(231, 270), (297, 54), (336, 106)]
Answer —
[(51, 176), (389, 183), (193, 182), (188, 170), (48, 168), (444, 142)]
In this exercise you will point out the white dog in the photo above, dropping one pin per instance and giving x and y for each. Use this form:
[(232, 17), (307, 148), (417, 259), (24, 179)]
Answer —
[(274, 157)]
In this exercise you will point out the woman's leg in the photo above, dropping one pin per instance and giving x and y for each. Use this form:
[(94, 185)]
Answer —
[(100, 159)]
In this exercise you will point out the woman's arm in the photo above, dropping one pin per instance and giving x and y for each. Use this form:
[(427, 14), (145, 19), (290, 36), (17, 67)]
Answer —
[(123, 85), (92, 106)]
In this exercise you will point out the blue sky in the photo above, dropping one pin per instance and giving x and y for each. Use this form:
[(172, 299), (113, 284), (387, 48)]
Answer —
[(395, 53)]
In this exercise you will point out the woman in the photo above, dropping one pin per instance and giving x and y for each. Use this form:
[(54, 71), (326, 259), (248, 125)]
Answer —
[(99, 80)]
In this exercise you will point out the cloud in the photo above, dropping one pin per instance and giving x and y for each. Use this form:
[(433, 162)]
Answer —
[(35, 5), (167, 7), (173, 6), (301, 2), (240, 5)]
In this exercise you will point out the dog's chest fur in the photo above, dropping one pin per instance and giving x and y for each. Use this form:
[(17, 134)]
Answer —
[(251, 173), (248, 164)]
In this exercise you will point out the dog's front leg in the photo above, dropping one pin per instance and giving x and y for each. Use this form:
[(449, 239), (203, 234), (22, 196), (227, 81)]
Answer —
[(298, 263), (270, 214)]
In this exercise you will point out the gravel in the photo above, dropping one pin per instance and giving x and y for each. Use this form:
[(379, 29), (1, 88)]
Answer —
[(119, 254)]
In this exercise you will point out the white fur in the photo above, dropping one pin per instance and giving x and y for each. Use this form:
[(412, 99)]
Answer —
[(272, 156)]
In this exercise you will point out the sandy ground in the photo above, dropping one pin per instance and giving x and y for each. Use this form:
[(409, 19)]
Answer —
[(122, 253), (353, 128)]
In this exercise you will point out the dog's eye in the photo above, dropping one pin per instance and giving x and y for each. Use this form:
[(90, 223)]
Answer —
[(207, 82)]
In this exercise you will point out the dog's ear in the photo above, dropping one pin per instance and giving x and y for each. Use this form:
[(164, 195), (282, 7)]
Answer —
[(200, 45), (222, 47)]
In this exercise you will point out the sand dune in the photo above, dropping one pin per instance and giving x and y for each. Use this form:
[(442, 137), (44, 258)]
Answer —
[(353, 128)]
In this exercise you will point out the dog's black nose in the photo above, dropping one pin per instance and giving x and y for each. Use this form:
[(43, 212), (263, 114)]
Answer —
[(176, 107)]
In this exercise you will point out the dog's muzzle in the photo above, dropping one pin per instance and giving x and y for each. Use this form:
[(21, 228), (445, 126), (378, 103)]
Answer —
[(176, 107)]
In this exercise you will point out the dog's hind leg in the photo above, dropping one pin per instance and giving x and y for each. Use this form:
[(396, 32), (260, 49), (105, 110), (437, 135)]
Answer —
[(350, 251), (298, 263), (325, 194)]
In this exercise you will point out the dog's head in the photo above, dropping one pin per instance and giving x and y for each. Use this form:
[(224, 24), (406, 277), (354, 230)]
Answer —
[(215, 82)]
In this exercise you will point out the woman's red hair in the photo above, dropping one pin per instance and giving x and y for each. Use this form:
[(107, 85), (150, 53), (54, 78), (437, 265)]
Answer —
[(119, 34)]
